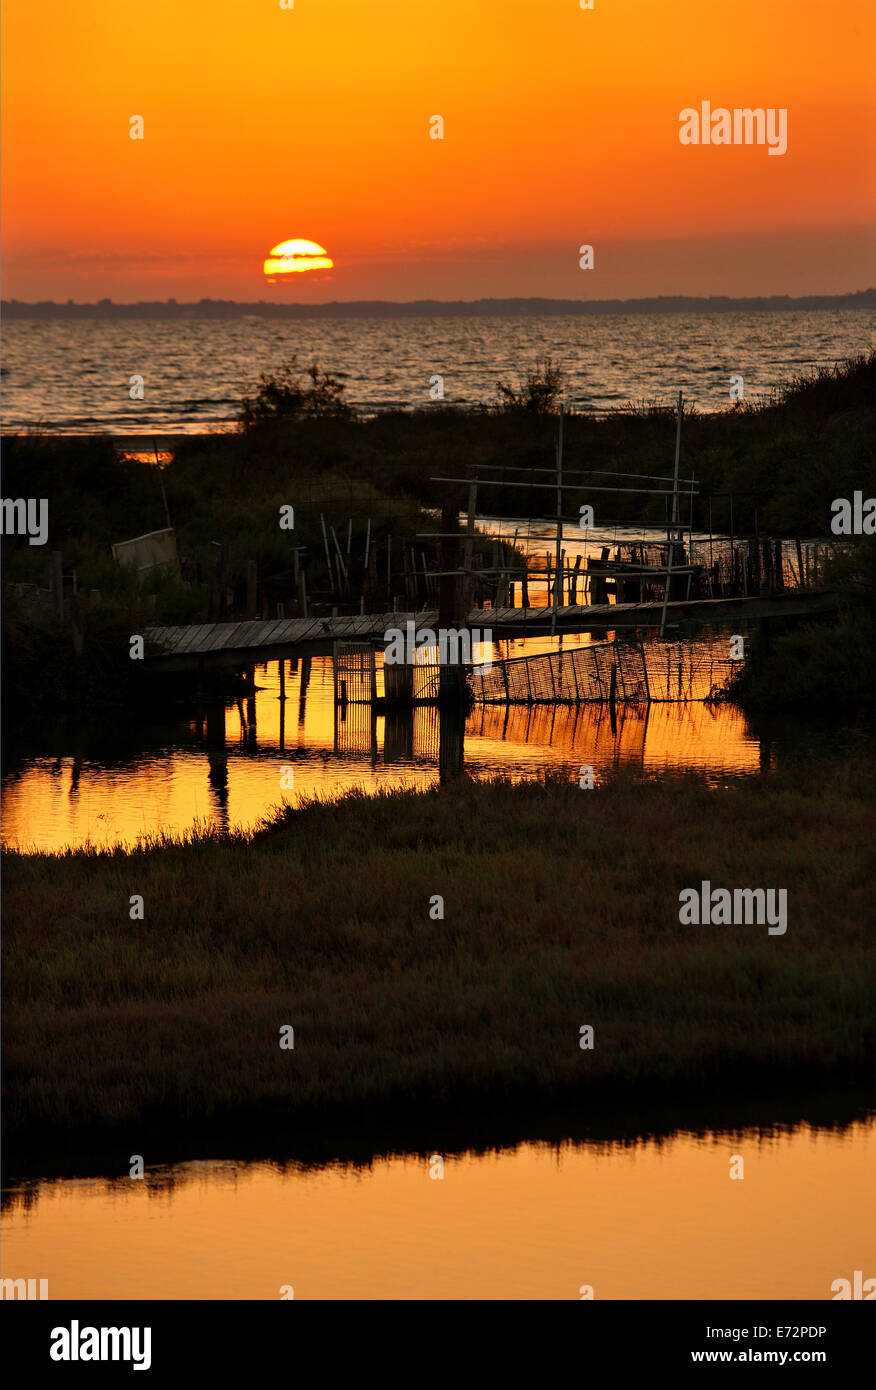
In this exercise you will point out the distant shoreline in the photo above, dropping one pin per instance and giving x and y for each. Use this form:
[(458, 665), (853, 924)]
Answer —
[(436, 308)]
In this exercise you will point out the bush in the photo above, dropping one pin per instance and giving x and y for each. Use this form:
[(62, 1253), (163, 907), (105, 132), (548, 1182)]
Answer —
[(283, 395), (540, 393), (820, 667)]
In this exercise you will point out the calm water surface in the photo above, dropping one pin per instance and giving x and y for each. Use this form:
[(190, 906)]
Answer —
[(637, 1221), (231, 766)]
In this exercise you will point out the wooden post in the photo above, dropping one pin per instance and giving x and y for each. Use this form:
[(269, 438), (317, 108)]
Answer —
[(449, 600), (754, 576), (801, 579), (408, 578), (467, 582), (281, 667), (645, 672), (558, 564), (251, 588), (671, 534), (341, 567), (573, 581), (328, 558)]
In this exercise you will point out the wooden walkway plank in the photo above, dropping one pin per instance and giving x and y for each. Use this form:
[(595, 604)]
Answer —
[(242, 640), (181, 644), (247, 634), (273, 631), (289, 631), (222, 637), (195, 635)]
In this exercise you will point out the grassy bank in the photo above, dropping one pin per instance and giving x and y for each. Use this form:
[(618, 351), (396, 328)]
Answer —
[(561, 909)]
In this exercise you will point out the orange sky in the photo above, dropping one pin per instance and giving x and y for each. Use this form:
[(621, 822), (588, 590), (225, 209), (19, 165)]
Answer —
[(561, 127)]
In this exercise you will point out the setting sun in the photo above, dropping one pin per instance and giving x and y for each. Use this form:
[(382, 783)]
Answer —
[(290, 257)]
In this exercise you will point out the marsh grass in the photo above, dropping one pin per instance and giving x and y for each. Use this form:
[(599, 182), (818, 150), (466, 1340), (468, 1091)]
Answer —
[(561, 908)]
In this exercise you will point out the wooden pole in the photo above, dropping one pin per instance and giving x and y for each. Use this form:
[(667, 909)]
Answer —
[(779, 565), (573, 580), (328, 558), (161, 485), (342, 568), (671, 536), (645, 672), (467, 583), (558, 582), (677, 457)]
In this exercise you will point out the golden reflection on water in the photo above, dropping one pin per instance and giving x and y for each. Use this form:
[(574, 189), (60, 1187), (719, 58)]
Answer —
[(233, 765), (653, 1220)]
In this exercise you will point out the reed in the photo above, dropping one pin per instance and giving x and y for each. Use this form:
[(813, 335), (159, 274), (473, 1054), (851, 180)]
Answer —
[(560, 909)]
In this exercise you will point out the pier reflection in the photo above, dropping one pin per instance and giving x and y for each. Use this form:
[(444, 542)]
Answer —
[(223, 765)]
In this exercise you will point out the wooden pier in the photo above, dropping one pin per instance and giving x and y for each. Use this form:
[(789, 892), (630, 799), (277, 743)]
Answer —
[(207, 645)]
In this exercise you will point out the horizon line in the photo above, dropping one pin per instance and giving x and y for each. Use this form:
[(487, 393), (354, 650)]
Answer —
[(543, 302)]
